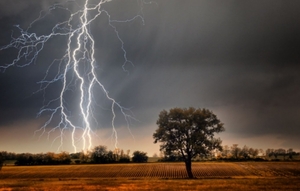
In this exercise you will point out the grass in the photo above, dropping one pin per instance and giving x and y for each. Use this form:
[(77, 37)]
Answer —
[(154, 176)]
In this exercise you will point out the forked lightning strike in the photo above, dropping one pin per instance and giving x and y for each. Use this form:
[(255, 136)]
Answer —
[(77, 68)]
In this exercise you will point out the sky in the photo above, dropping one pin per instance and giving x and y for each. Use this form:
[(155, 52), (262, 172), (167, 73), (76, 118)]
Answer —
[(239, 59)]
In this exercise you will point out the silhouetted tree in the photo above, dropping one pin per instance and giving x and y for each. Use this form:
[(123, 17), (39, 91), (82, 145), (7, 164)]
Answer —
[(85, 157), (189, 132), (139, 156), (124, 158), (253, 152), (75, 155), (24, 159), (290, 152), (9, 155), (235, 151), (64, 158), (99, 154), (225, 151), (50, 158), (244, 152), (281, 152), (269, 152), (39, 159), (110, 157)]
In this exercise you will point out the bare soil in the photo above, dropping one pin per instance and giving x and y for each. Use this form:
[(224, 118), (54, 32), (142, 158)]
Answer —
[(154, 176)]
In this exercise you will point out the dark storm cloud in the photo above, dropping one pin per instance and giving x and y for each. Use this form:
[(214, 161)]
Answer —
[(21, 83), (240, 58), (238, 55), (16, 7)]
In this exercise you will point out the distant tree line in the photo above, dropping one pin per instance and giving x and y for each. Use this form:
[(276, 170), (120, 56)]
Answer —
[(226, 153), (247, 153), (236, 153), (99, 155), (286, 154), (49, 158)]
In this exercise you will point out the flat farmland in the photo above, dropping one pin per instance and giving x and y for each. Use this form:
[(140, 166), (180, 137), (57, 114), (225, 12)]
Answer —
[(157, 176)]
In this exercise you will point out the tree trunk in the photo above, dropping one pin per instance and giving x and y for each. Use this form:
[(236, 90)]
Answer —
[(188, 166), (1, 161)]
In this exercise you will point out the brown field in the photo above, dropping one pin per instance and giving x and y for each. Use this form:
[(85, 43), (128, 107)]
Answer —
[(154, 176)]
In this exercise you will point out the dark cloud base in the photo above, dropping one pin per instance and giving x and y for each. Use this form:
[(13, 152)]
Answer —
[(240, 59)]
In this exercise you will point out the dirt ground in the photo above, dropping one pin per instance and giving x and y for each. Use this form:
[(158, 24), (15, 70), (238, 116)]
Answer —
[(154, 176)]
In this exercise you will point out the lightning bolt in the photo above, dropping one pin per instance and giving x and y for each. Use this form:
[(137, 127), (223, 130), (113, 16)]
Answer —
[(76, 70)]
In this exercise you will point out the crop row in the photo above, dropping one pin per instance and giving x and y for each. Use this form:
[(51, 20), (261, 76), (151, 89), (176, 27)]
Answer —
[(152, 170)]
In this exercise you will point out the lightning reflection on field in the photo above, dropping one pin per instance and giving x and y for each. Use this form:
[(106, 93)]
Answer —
[(76, 69)]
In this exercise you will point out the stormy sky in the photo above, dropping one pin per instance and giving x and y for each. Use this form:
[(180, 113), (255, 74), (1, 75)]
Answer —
[(240, 59)]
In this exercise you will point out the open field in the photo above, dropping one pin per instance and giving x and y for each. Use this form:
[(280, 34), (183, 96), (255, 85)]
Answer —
[(154, 176)]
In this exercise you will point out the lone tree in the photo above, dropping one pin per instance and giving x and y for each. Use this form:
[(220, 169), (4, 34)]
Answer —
[(189, 132)]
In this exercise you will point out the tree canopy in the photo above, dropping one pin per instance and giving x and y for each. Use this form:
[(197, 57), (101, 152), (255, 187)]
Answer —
[(139, 156), (189, 132)]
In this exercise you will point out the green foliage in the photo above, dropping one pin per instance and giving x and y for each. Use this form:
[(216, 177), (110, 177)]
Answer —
[(139, 156)]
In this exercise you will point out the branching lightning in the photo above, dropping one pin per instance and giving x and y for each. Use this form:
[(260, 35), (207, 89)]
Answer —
[(77, 68)]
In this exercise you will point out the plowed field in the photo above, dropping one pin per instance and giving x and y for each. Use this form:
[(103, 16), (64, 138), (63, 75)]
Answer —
[(22, 177), (155, 170)]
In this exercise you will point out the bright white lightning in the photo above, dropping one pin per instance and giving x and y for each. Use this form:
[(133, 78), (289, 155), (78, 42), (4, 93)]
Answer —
[(79, 63)]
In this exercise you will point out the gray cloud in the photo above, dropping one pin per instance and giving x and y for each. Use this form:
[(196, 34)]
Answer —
[(238, 58)]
